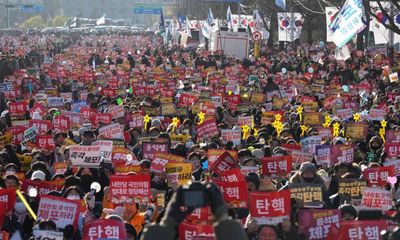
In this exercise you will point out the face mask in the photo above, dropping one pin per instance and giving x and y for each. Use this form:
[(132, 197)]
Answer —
[(20, 208), (73, 197), (86, 179), (308, 180)]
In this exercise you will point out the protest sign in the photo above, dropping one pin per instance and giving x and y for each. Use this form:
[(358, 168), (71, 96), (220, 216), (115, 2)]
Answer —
[(392, 149), (341, 154), (223, 163), (45, 141), (299, 157), (42, 187), (106, 148), (111, 131), (315, 223), (60, 210), (277, 165), (85, 156), (207, 129), (308, 144), (268, 117), (62, 123), (76, 119), (213, 154), (17, 109), (47, 235), (310, 194), (246, 120), (161, 159), (355, 131), (179, 173), (42, 126), (8, 196), (189, 231), (376, 198), (129, 188), (395, 164), (311, 118), (201, 215), (104, 118), (392, 136), (378, 175), (116, 111), (248, 169), (149, 149), (234, 193), (136, 121), (55, 102), (344, 114), (270, 207), (104, 229), (361, 230), (351, 188), (376, 114), (231, 135)]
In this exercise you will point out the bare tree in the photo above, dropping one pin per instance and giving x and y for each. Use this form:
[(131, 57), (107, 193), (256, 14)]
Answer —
[(391, 22)]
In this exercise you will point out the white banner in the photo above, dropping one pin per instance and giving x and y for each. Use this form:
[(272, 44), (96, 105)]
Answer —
[(330, 13), (106, 148), (342, 53), (62, 211), (289, 29), (85, 156), (111, 131), (348, 22)]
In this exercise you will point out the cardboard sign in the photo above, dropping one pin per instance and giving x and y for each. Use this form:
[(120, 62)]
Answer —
[(207, 129), (361, 230), (8, 196), (45, 141), (231, 135), (111, 131), (42, 126), (61, 210), (104, 229), (55, 102), (277, 165), (106, 148), (355, 131), (179, 173), (129, 188), (315, 223), (351, 188), (234, 193), (310, 194), (150, 148), (85, 156), (189, 231), (224, 163), (376, 198), (62, 123), (44, 234), (270, 207), (308, 144), (311, 118), (378, 176)]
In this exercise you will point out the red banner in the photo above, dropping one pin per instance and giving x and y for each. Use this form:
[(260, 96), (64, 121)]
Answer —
[(200, 215), (104, 229), (87, 112), (378, 176), (62, 123), (130, 186), (361, 230), (104, 118), (186, 99), (207, 128), (42, 126), (315, 223), (270, 207), (17, 109), (224, 163), (279, 165), (45, 141), (8, 196), (42, 187), (235, 193), (392, 149), (193, 231)]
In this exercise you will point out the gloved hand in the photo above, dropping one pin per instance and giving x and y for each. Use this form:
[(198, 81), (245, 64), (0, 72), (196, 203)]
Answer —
[(175, 213), (217, 203)]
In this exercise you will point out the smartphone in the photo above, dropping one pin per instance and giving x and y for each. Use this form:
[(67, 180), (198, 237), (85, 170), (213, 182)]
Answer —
[(194, 198)]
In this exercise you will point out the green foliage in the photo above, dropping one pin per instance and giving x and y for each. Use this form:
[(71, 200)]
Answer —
[(33, 22)]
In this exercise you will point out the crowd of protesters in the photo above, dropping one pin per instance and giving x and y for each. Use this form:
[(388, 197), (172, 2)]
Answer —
[(289, 121)]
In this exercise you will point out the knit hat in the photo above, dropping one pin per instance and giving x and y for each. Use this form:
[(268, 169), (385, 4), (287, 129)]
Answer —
[(253, 177)]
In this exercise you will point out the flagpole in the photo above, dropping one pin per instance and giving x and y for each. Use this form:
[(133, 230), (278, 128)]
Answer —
[(239, 12)]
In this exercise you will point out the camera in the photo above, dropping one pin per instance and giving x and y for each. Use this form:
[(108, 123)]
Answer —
[(194, 195)]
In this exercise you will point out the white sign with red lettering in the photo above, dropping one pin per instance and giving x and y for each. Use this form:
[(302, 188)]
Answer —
[(111, 131), (60, 210)]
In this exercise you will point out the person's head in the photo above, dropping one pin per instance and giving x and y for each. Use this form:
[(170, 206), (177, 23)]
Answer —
[(11, 181), (250, 162), (131, 233), (267, 232), (145, 166), (73, 193), (38, 175), (59, 138), (47, 225), (194, 158), (308, 171), (253, 182), (340, 169), (88, 138), (130, 210), (348, 212), (375, 143), (86, 176)]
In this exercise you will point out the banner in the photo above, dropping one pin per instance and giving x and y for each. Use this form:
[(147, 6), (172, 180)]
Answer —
[(308, 144), (55, 102), (111, 131), (277, 165), (44, 235), (60, 210), (129, 188), (361, 230), (104, 229), (179, 173), (42, 126), (223, 163), (231, 135), (330, 13), (376, 198), (8, 196), (315, 223), (270, 207), (351, 188), (348, 22), (42, 187), (378, 176), (85, 156), (310, 194), (62, 123), (106, 148), (234, 193), (149, 149), (161, 159), (45, 141), (289, 27), (207, 129), (189, 231)]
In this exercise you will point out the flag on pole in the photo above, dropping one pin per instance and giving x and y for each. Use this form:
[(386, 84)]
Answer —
[(188, 32), (348, 22), (281, 4), (161, 26), (229, 17), (101, 21), (210, 17)]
